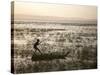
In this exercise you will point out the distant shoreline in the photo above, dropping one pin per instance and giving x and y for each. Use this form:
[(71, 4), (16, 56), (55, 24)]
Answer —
[(46, 22)]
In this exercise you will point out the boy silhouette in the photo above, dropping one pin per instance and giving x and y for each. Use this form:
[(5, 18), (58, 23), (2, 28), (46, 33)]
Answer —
[(35, 46)]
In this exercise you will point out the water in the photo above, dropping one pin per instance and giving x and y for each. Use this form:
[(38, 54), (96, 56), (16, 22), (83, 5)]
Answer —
[(80, 40)]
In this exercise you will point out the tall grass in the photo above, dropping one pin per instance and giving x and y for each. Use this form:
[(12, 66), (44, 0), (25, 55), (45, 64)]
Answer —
[(62, 49)]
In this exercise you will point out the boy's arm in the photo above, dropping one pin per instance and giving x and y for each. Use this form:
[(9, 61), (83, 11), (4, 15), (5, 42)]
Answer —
[(41, 41)]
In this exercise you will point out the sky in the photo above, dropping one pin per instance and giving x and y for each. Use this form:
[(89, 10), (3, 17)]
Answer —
[(56, 10)]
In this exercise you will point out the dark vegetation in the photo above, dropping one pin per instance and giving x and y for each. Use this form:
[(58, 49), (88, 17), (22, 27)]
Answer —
[(63, 49)]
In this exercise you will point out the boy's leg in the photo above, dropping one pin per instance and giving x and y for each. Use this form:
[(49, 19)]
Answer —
[(39, 50), (34, 52)]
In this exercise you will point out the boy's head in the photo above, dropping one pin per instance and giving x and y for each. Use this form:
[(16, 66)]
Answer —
[(38, 40)]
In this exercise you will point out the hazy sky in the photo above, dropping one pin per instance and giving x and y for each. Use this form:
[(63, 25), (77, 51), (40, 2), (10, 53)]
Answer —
[(72, 11)]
